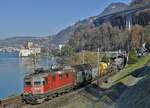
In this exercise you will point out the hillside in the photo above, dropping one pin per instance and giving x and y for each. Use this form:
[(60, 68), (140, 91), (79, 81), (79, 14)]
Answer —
[(21, 41), (65, 35)]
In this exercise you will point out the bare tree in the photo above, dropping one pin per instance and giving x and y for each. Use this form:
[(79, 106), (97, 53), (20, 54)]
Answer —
[(137, 36)]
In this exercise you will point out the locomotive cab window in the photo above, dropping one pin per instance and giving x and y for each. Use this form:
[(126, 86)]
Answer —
[(37, 83), (27, 83)]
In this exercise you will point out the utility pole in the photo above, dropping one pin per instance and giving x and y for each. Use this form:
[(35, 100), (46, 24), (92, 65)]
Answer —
[(98, 59), (83, 57), (33, 58), (129, 27), (48, 52), (47, 58)]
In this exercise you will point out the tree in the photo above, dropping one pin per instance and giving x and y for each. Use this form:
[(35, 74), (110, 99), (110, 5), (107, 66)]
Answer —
[(55, 52), (106, 37), (105, 59), (137, 36), (67, 50), (132, 57)]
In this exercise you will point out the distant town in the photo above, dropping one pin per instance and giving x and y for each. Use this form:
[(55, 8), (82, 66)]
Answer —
[(27, 50), (9, 49)]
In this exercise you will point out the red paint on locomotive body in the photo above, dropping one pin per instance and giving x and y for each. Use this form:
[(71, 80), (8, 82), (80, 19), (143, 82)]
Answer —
[(45, 82), (27, 89), (61, 79)]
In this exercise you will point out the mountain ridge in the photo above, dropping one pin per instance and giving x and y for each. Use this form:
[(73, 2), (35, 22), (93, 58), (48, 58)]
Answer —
[(18, 42)]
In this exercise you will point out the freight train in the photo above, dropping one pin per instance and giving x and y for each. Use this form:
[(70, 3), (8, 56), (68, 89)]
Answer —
[(47, 84)]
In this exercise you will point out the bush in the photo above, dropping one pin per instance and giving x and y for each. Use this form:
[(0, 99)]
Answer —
[(132, 57), (105, 59)]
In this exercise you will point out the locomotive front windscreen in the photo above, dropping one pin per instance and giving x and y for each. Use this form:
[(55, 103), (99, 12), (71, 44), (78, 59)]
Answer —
[(37, 83), (28, 83)]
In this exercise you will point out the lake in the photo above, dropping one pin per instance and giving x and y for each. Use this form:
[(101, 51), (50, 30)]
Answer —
[(12, 71)]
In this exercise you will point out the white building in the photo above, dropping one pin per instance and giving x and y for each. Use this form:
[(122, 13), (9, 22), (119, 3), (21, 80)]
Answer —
[(25, 52)]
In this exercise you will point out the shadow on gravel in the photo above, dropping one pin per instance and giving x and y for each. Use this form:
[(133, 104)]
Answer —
[(115, 91), (95, 93), (141, 72), (92, 93), (94, 90), (137, 96)]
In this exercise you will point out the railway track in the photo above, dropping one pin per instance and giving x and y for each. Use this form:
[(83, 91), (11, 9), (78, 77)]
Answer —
[(16, 101), (11, 102)]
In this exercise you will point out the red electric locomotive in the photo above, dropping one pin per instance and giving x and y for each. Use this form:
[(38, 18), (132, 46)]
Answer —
[(47, 84)]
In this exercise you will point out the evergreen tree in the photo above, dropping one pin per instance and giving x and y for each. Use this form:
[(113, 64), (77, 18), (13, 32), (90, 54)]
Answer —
[(132, 57), (105, 59)]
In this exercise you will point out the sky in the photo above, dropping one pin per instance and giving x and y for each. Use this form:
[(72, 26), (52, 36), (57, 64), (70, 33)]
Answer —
[(45, 17)]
